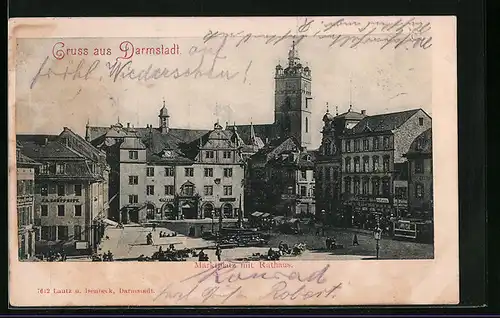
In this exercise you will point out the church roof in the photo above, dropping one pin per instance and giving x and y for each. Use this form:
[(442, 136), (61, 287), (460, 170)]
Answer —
[(383, 122), (351, 115)]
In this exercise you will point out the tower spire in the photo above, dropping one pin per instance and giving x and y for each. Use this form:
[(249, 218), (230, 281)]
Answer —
[(350, 94), (327, 110)]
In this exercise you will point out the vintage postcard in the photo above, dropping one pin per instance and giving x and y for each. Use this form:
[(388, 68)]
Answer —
[(233, 161)]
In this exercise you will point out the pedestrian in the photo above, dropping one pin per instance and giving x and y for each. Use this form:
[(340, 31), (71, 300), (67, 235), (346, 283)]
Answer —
[(317, 231), (201, 256), (218, 252), (355, 240)]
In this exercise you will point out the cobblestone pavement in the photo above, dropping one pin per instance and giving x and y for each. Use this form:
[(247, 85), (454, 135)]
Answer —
[(130, 242)]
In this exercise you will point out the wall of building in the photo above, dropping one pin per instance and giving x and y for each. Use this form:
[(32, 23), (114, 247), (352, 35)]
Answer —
[(426, 180), (406, 134), (25, 212)]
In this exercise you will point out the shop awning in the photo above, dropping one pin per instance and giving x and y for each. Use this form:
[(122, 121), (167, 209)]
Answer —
[(257, 214), (265, 215), (293, 220), (110, 222), (278, 218)]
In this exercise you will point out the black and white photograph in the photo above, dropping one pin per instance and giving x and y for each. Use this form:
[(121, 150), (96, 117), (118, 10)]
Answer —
[(301, 143)]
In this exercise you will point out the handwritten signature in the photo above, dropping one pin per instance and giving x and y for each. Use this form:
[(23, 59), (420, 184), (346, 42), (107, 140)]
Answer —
[(400, 34), (207, 67), (223, 284)]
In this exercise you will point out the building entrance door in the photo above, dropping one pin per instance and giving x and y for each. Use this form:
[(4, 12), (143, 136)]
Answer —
[(134, 215), (189, 211)]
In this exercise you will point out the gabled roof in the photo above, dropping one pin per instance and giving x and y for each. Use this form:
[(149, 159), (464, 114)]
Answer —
[(22, 160), (350, 115), (52, 150), (262, 131), (422, 144), (383, 122)]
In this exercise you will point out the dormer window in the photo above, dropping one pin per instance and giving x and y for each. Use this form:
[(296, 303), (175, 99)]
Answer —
[(60, 168), (209, 154)]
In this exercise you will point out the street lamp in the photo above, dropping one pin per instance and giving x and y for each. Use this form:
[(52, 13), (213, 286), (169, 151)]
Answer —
[(377, 234), (213, 213)]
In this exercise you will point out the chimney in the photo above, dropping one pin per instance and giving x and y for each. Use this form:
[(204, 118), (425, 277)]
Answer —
[(46, 141), (363, 112), (128, 125)]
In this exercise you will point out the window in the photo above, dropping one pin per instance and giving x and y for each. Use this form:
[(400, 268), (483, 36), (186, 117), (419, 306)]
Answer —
[(386, 188), (228, 172), (78, 190), (60, 210), (307, 123), (400, 193), (386, 142), (375, 163), (133, 154), (169, 190), (62, 232), (356, 186), (303, 191), (290, 190), (209, 154), (226, 154), (365, 186), (327, 172), (44, 190), (61, 190), (366, 145), (189, 172), (419, 191), (303, 174), (347, 145), (44, 210), (386, 163), (132, 180), (150, 190), (376, 143), (228, 190), (60, 168), (366, 164), (420, 121), (209, 172), (44, 168), (313, 190), (347, 164), (208, 190), (357, 144), (375, 186), (188, 190), (169, 172), (419, 166), (45, 233), (77, 232), (133, 198), (150, 171), (356, 164), (78, 210), (347, 185)]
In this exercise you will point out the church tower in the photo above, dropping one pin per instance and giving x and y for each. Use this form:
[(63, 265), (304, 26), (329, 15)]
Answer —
[(292, 101), (163, 122)]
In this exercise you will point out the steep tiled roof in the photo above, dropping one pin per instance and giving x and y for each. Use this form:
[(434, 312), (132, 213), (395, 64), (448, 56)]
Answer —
[(383, 122), (23, 160), (263, 131), (53, 150), (351, 115)]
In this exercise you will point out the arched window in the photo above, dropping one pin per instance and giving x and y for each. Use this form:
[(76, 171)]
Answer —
[(347, 164), (365, 186), (347, 184), (208, 209), (356, 164), (366, 164), (356, 186), (228, 211), (375, 163), (375, 186), (386, 163)]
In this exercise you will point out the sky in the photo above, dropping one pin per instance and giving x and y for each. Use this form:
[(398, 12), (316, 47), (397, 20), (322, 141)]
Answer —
[(372, 79)]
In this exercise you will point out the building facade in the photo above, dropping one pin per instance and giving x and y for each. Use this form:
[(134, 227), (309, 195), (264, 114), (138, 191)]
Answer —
[(282, 179), (373, 161), (71, 191), (170, 173), (420, 180), (26, 234), (329, 162)]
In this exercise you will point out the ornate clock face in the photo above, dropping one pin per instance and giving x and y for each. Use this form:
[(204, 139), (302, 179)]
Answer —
[(167, 153)]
